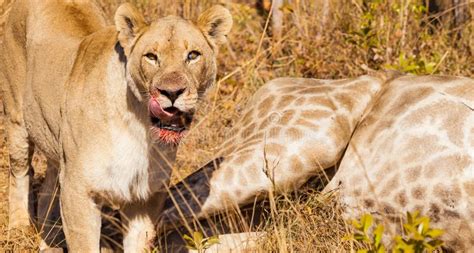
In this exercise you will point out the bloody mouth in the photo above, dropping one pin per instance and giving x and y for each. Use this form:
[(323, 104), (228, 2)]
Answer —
[(168, 125)]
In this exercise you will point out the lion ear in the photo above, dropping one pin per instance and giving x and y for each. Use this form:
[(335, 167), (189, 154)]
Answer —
[(215, 23), (128, 22)]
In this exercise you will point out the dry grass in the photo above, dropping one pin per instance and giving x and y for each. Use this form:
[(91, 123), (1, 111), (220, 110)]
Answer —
[(340, 42)]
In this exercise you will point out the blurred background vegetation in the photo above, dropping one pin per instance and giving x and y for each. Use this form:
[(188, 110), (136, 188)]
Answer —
[(303, 38)]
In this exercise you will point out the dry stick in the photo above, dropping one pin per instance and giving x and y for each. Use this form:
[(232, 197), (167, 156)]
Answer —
[(277, 18), (324, 17), (439, 63), (253, 60)]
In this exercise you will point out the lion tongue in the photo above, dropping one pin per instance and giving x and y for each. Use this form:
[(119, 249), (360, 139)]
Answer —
[(157, 111)]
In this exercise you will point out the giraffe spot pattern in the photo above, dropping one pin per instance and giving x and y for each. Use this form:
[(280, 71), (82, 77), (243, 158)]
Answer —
[(265, 106), (286, 117), (449, 195), (401, 198), (348, 101), (434, 212), (322, 102), (297, 165), (285, 101), (315, 114), (390, 186), (413, 173), (274, 149), (469, 188), (418, 192), (447, 165), (274, 132), (306, 123), (368, 203), (300, 101), (294, 133)]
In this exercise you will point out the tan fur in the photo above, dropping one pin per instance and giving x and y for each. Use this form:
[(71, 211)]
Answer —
[(78, 91), (404, 144)]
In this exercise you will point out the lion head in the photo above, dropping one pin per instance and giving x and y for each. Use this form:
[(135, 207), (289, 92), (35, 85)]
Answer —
[(170, 63)]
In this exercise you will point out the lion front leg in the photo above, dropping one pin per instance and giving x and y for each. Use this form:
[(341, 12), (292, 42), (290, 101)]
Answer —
[(139, 220), (20, 195), (81, 217)]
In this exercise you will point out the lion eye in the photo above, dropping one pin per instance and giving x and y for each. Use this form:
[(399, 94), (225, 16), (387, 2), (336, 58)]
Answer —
[(193, 55), (151, 57)]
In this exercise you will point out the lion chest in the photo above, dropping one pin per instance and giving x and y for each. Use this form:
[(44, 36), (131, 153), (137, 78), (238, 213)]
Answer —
[(122, 171)]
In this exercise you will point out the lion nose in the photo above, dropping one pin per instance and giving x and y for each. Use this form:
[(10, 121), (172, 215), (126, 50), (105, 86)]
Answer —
[(172, 95)]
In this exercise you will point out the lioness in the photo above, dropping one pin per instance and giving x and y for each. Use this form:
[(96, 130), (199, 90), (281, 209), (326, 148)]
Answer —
[(105, 104)]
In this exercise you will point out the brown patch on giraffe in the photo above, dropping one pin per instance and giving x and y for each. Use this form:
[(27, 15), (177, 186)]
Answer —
[(454, 123), (294, 133), (296, 165), (451, 113), (418, 147), (268, 121), (285, 101), (291, 89), (346, 100), (434, 212), (300, 101), (274, 149), (451, 214), (465, 91), (401, 198), (413, 173), (306, 123), (340, 132), (390, 186), (274, 132), (286, 117), (448, 165), (388, 209), (418, 193), (241, 159), (345, 126), (322, 101), (265, 106), (469, 188), (449, 195), (406, 99), (315, 114), (356, 192), (379, 127), (369, 203)]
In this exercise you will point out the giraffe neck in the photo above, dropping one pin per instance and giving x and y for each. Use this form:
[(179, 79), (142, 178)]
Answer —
[(272, 136)]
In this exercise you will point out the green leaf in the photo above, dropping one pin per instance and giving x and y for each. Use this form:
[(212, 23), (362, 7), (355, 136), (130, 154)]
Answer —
[(434, 233), (366, 222), (378, 233), (197, 236), (190, 244)]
